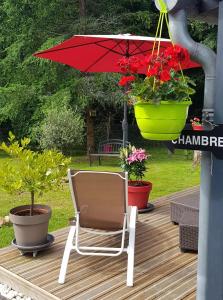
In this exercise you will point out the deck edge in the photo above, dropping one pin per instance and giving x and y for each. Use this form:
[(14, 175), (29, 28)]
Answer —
[(27, 288)]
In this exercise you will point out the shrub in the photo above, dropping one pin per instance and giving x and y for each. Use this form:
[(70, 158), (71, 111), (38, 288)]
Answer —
[(62, 130)]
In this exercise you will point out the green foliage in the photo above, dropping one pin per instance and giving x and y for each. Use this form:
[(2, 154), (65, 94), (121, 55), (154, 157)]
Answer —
[(17, 105), (33, 172), (178, 89), (62, 130), (204, 33), (99, 90), (29, 85)]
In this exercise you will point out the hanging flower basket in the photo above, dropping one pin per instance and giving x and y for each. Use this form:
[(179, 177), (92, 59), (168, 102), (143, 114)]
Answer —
[(162, 97), (163, 121)]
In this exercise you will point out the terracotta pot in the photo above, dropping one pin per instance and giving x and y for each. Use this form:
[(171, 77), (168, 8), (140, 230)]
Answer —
[(30, 230), (139, 195), (198, 127)]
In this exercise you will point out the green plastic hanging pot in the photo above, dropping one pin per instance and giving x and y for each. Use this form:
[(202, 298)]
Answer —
[(161, 122)]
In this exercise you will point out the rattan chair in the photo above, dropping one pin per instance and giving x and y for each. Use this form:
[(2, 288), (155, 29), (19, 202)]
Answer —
[(100, 202)]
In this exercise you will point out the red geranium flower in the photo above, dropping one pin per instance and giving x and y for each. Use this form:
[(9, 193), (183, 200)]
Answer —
[(125, 80), (173, 64), (165, 76), (129, 64), (153, 71), (177, 55)]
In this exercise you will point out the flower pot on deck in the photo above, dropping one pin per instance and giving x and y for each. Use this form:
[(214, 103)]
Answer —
[(197, 127), (163, 121), (30, 230), (138, 195)]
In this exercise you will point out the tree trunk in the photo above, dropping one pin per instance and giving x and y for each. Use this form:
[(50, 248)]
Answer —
[(108, 127), (90, 132), (82, 7), (32, 204), (82, 12)]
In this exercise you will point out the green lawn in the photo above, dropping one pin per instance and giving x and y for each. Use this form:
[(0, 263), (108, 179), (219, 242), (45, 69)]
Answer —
[(168, 173)]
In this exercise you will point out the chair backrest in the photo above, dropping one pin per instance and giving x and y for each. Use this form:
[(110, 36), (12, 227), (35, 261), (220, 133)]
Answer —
[(100, 198)]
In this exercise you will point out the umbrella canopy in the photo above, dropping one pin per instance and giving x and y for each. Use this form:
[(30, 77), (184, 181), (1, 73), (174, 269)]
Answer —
[(100, 53)]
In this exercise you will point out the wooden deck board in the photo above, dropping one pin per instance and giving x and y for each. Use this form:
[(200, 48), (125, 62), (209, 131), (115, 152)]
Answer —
[(161, 270)]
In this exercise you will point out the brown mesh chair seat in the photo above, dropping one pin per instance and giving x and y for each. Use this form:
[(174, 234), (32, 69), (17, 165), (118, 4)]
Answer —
[(100, 202)]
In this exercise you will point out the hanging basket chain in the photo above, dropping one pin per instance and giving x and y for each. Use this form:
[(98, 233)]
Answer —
[(168, 29), (163, 16), (163, 7)]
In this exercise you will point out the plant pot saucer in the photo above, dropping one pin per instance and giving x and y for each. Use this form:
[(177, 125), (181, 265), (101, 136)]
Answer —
[(149, 208), (34, 249)]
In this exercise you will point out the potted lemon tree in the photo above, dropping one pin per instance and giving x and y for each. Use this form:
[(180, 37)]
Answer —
[(161, 98), (133, 161), (33, 173)]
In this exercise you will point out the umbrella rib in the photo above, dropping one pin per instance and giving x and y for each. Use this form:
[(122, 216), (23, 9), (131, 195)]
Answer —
[(111, 49), (101, 57), (141, 52), (70, 47), (137, 47), (121, 48)]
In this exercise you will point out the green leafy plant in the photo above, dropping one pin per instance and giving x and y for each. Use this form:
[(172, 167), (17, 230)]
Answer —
[(177, 89), (133, 161), (33, 172)]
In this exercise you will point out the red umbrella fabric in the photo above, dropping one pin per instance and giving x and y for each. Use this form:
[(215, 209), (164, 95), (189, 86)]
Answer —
[(100, 53)]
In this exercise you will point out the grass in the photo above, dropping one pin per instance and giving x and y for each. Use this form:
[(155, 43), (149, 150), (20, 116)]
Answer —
[(168, 173)]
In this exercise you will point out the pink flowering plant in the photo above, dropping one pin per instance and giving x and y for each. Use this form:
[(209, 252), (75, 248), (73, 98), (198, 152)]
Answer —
[(133, 161)]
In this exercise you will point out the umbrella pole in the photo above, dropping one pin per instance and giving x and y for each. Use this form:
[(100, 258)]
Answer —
[(125, 121), (125, 125)]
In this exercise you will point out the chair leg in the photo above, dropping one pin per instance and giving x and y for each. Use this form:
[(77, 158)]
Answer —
[(66, 255), (131, 246)]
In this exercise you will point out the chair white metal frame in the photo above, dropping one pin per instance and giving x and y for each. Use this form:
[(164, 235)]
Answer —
[(127, 223)]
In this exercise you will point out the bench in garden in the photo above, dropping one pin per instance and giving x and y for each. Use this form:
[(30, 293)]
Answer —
[(108, 148)]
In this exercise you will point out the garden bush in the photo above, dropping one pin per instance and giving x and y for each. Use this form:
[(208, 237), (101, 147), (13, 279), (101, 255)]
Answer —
[(62, 129)]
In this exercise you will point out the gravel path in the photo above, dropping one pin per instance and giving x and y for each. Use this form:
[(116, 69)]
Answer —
[(6, 292)]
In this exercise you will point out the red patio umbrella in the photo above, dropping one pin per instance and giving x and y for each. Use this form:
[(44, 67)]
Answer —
[(100, 53)]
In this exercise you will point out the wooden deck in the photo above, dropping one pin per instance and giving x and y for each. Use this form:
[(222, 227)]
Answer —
[(161, 270)]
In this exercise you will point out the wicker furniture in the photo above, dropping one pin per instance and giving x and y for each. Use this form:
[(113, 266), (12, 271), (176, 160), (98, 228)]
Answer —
[(179, 206), (188, 231)]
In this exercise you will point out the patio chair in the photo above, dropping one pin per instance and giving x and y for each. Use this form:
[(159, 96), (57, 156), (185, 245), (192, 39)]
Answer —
[(100, 202)]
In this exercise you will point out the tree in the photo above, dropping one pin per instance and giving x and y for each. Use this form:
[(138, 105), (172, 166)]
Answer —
[(33, 172)]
